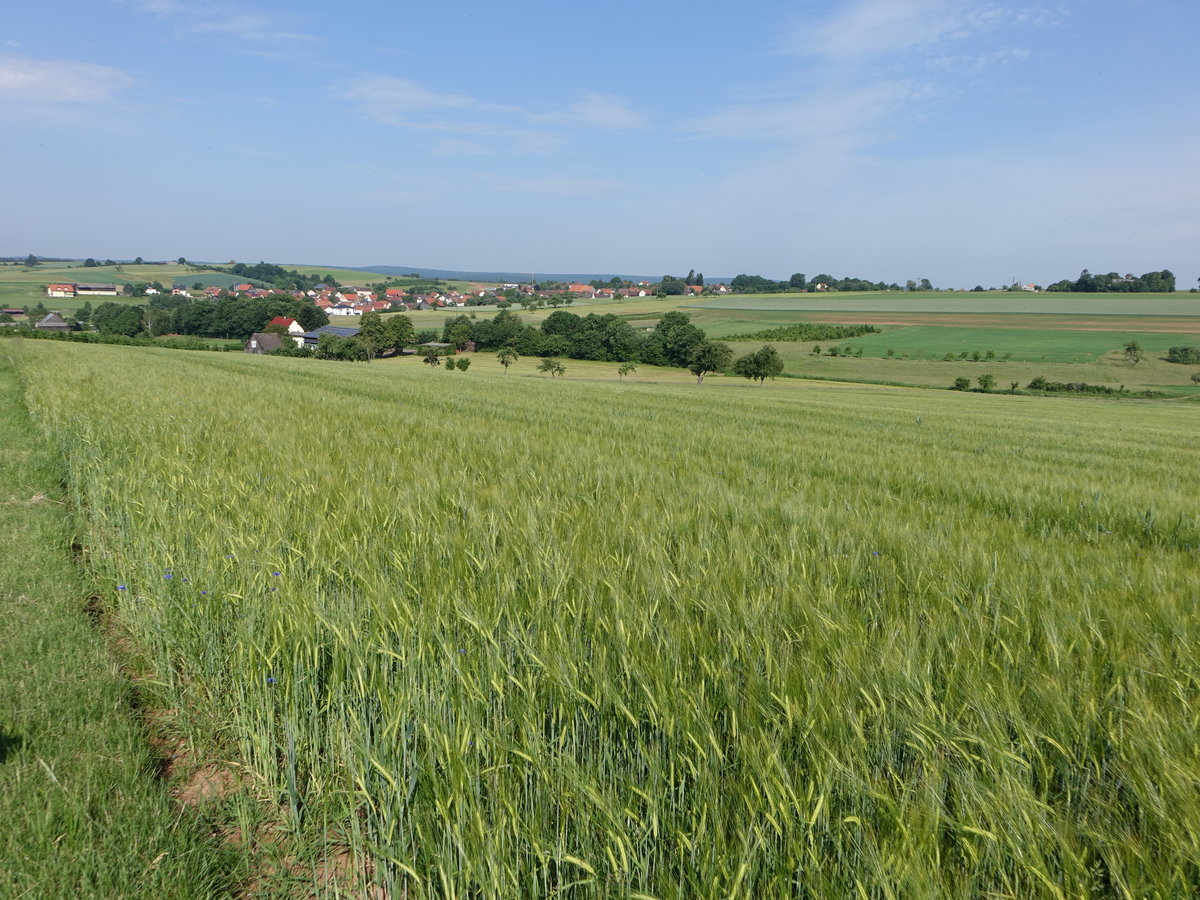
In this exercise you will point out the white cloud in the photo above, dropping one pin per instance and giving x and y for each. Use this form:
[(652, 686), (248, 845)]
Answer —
[(866, 28), (245, 25), (395, 100), (872, 27), (979, 62), (406, 103), (59, 81), (836, 111), (605, 112)]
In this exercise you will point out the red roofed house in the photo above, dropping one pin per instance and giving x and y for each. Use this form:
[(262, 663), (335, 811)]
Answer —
[(292, 326), (60, 290)]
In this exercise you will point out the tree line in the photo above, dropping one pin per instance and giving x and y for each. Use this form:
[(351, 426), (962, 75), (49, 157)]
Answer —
[(1113, 283), (605, 338), (674, 341), (757, 284), (230, 317)]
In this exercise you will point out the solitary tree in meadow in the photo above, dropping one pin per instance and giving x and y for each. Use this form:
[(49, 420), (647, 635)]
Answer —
[(552, 366), (626, 368), (507, 356), (759, 365), (1133, 353), (709, 356)]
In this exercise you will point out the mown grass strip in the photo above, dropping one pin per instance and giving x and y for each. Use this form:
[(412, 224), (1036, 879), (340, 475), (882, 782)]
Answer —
[(81, 811)]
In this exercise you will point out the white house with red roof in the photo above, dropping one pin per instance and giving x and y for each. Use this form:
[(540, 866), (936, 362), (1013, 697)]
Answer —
[(292, 326)]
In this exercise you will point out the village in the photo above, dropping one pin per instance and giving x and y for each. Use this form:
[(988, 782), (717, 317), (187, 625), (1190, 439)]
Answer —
[(353, 300)]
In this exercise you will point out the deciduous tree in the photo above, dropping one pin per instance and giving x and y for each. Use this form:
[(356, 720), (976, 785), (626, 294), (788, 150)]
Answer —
[(759, 365), (552, 366), (709, 356)]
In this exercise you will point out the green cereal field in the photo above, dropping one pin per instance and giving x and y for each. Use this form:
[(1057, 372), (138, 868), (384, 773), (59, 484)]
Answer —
[(478, 634)]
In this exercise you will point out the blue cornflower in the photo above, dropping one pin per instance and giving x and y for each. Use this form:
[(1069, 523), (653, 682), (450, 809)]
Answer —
[(120, 587), (274, 573), (168, 576), (270, 679), (203, 592)]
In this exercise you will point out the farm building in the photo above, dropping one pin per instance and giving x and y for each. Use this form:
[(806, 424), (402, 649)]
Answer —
[(52, 322), (96, 290), (312, 338), (264, 342)]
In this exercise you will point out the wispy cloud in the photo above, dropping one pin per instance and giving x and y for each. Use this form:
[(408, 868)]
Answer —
[(405, 103), (830, 112), (400, 101), (979, 62), (458, 147), (256, 31), (873, 68), (601, 111), (250, 27), (27, 80), (870, 28)]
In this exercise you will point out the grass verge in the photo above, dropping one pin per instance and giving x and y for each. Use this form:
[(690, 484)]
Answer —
[(85, 814)]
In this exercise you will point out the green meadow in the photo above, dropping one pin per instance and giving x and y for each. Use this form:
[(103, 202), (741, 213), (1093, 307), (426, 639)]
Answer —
[(476, 634)]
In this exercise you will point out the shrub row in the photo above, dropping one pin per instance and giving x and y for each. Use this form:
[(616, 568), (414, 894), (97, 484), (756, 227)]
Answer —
[(805, 331)]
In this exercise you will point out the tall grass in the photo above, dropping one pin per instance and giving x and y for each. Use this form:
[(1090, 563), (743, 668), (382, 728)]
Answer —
[(512, 638)]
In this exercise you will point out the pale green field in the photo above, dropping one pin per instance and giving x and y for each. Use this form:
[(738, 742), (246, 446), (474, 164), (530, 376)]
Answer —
[(1110, 369), (360, 277), (21, 286), (1179, 303), (507, 636)]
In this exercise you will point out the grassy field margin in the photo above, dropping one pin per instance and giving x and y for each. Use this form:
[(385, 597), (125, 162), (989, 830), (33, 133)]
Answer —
[(85, 814)]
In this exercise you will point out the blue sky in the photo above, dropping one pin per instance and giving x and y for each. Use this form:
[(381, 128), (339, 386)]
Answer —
[(966, 141)]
